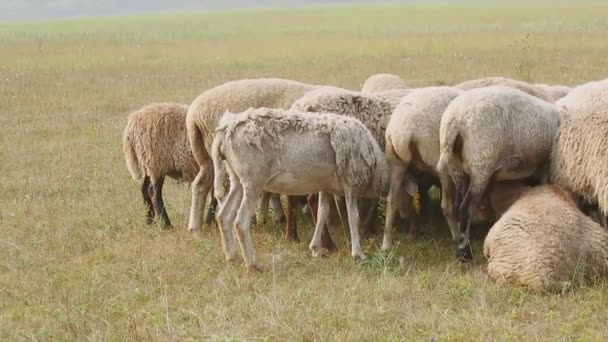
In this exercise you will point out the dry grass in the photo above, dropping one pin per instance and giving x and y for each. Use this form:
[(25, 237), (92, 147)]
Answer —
[(77, 262)]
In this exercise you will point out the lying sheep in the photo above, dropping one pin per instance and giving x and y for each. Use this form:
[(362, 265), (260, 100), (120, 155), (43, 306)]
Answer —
[(412, 140), (507, 82), (585, 99), (543, 240), (293, 153), (489, 131), (556, 91), (204, 115), (155, 145), (579, 156), (381, 82)]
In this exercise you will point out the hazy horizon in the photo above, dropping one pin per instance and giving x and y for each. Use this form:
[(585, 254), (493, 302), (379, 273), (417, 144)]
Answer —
[(19, 10)]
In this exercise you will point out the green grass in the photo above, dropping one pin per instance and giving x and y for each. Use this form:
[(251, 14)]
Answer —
[(77, 261)]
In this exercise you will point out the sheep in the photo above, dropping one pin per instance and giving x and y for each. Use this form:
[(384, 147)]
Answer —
[(382, 82), (373, 110), (412, 139), (556, 91), (204, 115), (155, 145), (579, 155), (490, 131), (293, 153), (507, 82), (585, 99), (543, 240)]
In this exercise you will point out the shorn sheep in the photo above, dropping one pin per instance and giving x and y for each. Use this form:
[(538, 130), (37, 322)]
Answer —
[(382, 82), (412, 141), (585, 99), (526, 87), (543, 241), (204, 115), (373, 110), (155, 145), (490, 132), (580, 156), (293, 153)]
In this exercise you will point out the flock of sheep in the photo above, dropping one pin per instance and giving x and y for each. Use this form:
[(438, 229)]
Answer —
[(527, 157)]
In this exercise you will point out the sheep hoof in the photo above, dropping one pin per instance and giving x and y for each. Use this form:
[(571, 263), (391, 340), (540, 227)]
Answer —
[(280, 220), (359, 256), (464, 253), (386, 247), (318, 251), (257, 267)]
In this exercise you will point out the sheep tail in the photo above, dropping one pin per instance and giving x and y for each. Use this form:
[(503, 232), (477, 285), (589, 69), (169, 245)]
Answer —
[(130, 155), (449, 157), (195, 138), (220, 170)]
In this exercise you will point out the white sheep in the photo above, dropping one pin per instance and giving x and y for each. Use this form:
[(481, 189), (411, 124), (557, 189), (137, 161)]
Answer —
[(489, 131), (556, 91), (381, 82), (585, 99), (543, 241), (579, 157), (373, 110), (412, 140), (155, 145), (293, 153), (507, 82), (204, 115)]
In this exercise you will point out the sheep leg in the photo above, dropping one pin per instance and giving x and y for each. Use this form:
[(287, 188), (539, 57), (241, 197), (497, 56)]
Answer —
[(277, 207), (447, 205), (243, 227), (291, 230), (316, 245), (369, 223), (470, 202), (353, 221), (262, 211), (326, 241), (157, 201), (225, 218), (392, 204), (145, 191), (200, 189), (211, 210)]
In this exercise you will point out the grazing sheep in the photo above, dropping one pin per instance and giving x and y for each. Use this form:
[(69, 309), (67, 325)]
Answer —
[(372, 110), (543, 240), (381, 82), (507, 82), (155, 145), (556, 91), (412, 140), (490, 131), (585, 99), (579, 158), (293, 153), (204, 115)]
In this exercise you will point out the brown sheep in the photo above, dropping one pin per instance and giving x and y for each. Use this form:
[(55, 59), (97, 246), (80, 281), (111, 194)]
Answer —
[(155, 145)]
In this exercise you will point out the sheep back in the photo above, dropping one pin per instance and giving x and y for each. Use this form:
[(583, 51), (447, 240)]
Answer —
[(382, 82), (507, 82), (543, 240), (155, 143), (358, 158)]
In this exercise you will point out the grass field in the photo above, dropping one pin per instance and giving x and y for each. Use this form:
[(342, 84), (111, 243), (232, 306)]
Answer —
[(77, 261)]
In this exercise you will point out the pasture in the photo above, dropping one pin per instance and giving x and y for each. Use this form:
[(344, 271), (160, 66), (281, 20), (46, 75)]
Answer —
[(77, 261)]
